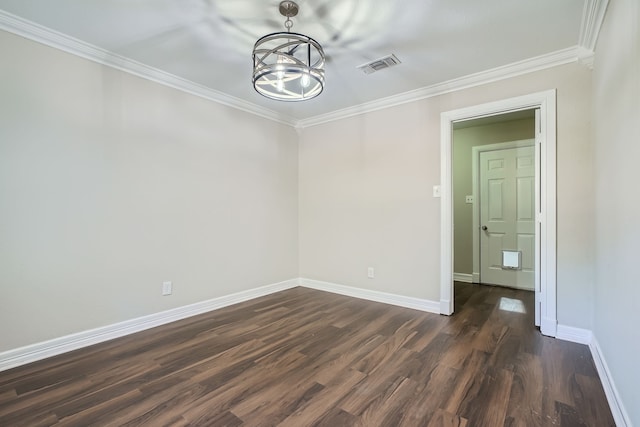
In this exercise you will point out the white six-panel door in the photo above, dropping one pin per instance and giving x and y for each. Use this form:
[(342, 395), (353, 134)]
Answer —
[(507, 215)]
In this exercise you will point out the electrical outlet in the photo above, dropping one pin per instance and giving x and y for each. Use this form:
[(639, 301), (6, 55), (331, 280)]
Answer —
[(370, 273), (468, 199), (167, 288)]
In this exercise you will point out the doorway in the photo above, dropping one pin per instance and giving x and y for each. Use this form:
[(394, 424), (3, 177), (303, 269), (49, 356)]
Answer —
[(545, 193)]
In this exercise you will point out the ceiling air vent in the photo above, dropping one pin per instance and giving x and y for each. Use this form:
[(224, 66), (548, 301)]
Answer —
[(379, 64)]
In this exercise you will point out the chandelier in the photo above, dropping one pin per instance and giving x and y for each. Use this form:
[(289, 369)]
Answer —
[(288, 66)]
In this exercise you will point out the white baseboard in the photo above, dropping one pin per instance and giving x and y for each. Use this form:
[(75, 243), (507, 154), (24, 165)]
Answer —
[(31, 353), (393, 299), (549, 327), (620, 415), (585, 336), (34, 352), (446, 307), (463, 277), (578, 335)]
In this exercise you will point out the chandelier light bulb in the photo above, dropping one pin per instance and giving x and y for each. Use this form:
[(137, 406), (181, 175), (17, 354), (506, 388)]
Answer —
[(280, 67), (305, 80)]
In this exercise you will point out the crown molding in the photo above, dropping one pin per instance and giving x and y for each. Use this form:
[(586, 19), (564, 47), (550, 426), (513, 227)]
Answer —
[(553, 59), (38, 33), (592, 19), (593, 16), (586, 57)]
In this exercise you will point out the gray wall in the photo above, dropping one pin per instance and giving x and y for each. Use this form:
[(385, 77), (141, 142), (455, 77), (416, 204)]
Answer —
[(111, 184), (366, 193), (616, 119), (463, 141)]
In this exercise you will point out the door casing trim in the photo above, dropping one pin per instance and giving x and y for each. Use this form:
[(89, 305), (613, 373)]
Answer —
[(546, 102)]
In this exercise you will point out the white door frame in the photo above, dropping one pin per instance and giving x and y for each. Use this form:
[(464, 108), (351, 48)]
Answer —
[(546, 138), (475, 177)]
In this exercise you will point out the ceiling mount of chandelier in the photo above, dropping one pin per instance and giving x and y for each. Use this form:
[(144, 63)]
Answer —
[(288, 66)]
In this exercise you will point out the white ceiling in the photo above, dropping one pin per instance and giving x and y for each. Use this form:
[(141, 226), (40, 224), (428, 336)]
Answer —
[(209, 42)]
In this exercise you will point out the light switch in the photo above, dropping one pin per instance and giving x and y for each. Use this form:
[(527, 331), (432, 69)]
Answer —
[(436, 191)]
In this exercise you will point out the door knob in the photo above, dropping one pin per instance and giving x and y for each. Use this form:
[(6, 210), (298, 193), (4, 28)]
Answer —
[(484, 228)]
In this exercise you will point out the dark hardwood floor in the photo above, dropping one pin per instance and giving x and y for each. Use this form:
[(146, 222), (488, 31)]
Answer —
[(303, 357)]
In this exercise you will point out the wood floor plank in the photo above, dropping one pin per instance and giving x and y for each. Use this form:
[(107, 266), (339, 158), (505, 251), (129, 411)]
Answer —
[(303, 357), (291, 392), (251, 382), (382, 407), (428, 328), (324, 401), (100, 412), (40, 403), (489, 407), (525, 398), (272, 412), (585, 391), (8, 395), (431, 358), (568, 416), (467, 383), (336, 417), (429, 396), (446, 419), (375, 386), (161, 407)]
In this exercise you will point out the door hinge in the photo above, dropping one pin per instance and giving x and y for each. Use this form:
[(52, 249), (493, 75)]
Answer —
[(539, 218)]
